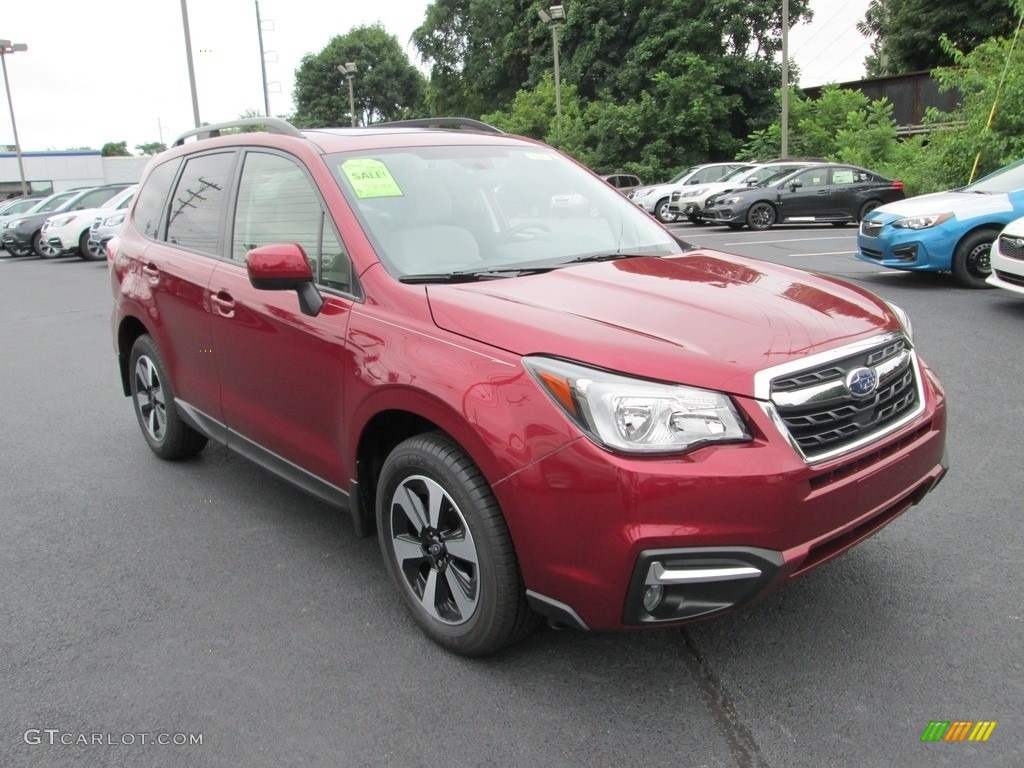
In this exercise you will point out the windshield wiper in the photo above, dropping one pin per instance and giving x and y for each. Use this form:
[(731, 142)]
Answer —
[(610, 256), (473, 275)]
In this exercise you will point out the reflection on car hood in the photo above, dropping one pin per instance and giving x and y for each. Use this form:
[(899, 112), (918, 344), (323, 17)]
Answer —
[(964, 205), (705, 319)]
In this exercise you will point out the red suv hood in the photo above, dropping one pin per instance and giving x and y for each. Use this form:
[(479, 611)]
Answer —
[(705, 319)]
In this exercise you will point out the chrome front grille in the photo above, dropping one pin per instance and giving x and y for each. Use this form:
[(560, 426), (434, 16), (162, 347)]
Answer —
[(1011, 247), (870, 228), (675, 196), (840, 401)]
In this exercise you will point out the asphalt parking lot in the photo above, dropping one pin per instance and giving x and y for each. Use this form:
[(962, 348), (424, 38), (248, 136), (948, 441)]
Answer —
[(207, 599)]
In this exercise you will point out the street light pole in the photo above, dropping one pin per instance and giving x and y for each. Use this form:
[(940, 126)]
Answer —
[(6, 46), (188, 58), (349, 70), (554, 17)]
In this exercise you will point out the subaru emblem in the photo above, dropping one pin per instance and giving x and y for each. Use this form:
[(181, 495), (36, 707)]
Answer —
[(861, 381)]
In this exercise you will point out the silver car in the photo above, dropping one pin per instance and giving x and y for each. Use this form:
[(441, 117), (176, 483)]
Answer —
[(655, 198), (105, 226)]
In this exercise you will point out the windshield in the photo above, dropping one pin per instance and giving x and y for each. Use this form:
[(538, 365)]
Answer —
[(683, 174), (1004, 180), (489, 209), (52, 203), (740, 173)]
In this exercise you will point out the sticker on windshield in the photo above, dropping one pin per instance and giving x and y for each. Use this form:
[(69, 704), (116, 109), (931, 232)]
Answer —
[(370, 178)]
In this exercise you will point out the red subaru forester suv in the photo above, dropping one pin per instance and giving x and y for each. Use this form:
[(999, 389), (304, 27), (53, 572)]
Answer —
[(542, 401)]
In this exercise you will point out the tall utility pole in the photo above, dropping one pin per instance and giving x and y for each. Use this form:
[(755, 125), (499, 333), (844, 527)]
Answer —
[(6, 46), (191, 69), (263, 61), (785, 79)]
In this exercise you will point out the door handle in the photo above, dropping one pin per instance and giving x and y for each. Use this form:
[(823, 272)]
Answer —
[(223, 304), (822, 191)]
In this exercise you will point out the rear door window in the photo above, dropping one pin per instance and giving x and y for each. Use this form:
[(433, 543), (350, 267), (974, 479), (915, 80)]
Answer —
[(198, 202)]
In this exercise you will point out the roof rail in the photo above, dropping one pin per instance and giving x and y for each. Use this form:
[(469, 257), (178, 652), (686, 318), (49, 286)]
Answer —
[(272, 125), (457, 123)]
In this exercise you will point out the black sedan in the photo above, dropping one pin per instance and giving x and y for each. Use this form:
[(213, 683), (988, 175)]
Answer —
[(825, 192)]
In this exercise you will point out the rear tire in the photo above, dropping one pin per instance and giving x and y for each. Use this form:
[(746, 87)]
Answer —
[(85, 252), (448, 549), (972, 262), (867, 208), (168, 436), (42, 248)]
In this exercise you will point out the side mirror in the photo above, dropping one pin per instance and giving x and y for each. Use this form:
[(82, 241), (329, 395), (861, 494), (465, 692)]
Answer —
[(284, 267), (795, 183)]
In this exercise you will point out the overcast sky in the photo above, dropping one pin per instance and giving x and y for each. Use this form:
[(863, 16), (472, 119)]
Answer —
[(113, 70)]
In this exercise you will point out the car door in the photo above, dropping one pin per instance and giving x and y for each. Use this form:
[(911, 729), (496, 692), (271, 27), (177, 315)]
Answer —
[(848, 189), (173, 263), (805, 196), (282, 372)]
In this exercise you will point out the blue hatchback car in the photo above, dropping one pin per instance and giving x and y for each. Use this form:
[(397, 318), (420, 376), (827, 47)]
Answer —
[(945, 231)]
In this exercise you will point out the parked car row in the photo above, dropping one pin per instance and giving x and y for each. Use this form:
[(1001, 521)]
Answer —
[(62, 223)]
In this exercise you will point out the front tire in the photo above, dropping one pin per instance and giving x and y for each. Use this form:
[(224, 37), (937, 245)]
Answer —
[(662, 213), (448, 549), (972, 262), (167, 435), (761, 216)]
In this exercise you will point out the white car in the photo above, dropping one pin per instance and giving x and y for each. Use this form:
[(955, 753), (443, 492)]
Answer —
[(1007, 258), (654, 199), (68, 232), (691, 202), (105, 226)]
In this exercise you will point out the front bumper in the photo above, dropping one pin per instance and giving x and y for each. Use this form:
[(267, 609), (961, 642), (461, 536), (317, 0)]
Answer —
[(727, 215), (715, 529), (1007, 272), (20, 241), (924, 250)]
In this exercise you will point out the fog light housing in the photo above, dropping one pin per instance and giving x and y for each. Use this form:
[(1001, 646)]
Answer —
[(652, 597)]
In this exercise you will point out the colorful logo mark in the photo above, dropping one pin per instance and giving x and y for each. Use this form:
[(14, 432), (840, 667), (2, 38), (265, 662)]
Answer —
[(958, 730)]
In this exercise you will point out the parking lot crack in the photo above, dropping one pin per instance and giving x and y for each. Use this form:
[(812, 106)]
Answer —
[(742, 745)]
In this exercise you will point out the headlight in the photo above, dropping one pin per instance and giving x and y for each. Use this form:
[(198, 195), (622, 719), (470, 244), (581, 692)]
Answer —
[(904, 319), (922, 222), (12, 224), (637, 416), (60, 222), (113, 221), (694, 192), (639, 193), (727, 201)]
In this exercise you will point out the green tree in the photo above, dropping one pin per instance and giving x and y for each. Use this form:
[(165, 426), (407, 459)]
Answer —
[(151, 148), (481, 53), (676, 81), (906, 33), (386, 87), (115, 149)]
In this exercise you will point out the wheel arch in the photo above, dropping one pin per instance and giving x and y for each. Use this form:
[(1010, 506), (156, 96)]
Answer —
[(393, 422), (130, 329), (995, 227)]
